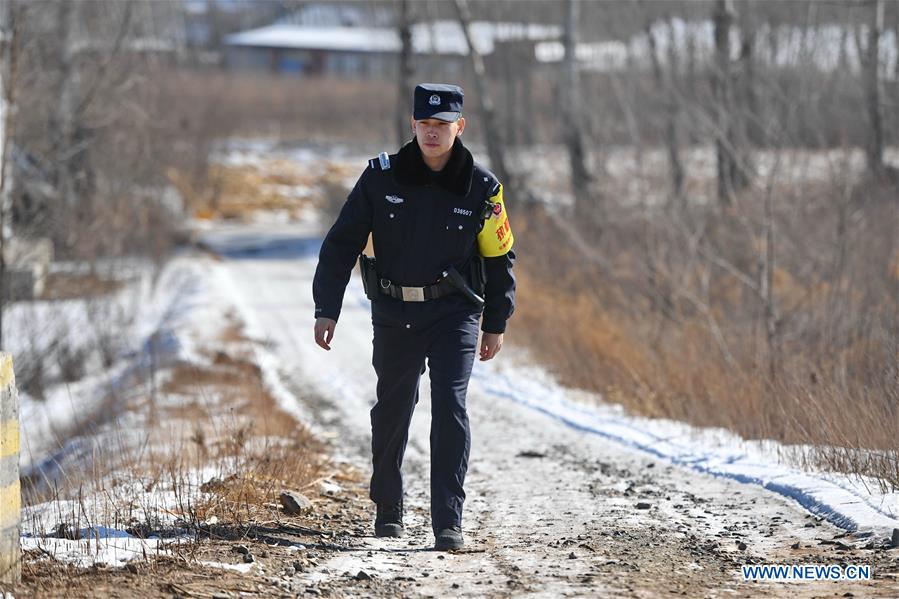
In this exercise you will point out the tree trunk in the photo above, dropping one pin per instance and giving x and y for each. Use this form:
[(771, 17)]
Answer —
[(873, 91), (583, 183), (720, 83), (492, 133), (510, 74), (896, 69), (843, 60), (732, 172), (526, 94), (8, 71), (66, 105), (753, 132), (672, 101), (772, 333), (5, 183), (690, 90), (896, 42), (405, 73)]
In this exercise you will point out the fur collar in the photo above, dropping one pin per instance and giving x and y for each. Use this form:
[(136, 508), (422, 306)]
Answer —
[(455, 176)]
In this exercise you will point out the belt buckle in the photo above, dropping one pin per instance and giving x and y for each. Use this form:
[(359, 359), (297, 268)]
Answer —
[(413, 294)]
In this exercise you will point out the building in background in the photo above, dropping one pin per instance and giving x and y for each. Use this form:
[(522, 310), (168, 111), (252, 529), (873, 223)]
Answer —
[(358, 41)]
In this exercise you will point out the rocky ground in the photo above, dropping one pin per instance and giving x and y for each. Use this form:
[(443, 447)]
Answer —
[(552, 512)]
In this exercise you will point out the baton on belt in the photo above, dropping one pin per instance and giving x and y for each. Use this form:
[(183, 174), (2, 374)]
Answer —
[(458, 281)]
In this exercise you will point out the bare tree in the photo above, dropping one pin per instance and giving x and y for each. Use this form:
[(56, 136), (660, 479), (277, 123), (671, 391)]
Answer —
[(732, 172), (721, 89), (405, 72), (766, 281), (750, 129), (587, 200), (492, 133), (9, 37), (672, 104), (896, 38), (66, 119), (874, 91)]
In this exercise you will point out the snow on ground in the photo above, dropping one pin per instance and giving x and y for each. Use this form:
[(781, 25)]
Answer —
[(39, 331), (278, 266), (553, 471), (143, 317), (643, 169), (109, 547), (92, 437), (518, 410), (263, 152), (849, 502)]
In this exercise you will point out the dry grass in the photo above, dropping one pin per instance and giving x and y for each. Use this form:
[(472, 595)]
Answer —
[(231, 192), (63, 286), (658, 329), (162, 577), (217, 416), (266, 450), (239, 192), (286, 108)]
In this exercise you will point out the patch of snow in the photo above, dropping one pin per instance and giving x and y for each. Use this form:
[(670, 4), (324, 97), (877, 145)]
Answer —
[(110, 550), (330, 488), (848, 502), (242, 568)]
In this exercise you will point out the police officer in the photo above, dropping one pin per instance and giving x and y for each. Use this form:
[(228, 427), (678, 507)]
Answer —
[(443, 259)]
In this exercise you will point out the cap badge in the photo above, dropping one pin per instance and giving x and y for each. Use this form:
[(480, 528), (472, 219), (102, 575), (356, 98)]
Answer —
[(434, 100)]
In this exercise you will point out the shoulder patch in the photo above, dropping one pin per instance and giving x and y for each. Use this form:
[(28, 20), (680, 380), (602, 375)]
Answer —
[(382, 162)]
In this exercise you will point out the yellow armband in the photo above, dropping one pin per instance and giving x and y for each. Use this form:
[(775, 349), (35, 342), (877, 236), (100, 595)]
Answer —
[(495, 238)]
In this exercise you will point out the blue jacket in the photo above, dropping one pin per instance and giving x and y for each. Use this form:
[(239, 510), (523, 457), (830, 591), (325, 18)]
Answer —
[(421, 222)]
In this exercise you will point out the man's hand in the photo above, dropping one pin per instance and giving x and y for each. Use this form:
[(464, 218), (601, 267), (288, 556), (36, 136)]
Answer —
[(491, 343), (324, 332)]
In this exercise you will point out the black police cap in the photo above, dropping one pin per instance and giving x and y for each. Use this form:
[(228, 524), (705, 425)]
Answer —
[(438, 101)]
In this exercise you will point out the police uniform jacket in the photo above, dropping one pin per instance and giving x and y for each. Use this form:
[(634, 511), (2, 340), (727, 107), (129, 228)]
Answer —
[(421, 223)]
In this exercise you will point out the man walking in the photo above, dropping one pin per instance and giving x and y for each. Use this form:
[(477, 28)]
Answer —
[(443, 256)]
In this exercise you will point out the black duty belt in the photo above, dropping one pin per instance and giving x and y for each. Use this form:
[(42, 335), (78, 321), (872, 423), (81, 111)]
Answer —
[(416, 294)]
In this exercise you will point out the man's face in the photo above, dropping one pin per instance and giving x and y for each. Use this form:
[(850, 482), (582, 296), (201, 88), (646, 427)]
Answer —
[(435, 138)]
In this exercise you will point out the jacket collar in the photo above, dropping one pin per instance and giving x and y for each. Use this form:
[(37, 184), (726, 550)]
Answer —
[(455, 176)]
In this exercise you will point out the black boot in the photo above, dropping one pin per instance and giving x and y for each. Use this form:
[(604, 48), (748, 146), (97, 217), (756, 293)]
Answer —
[(449, 539), (389, 521)]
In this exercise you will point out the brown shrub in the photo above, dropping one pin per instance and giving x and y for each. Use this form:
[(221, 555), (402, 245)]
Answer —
[(673, 326)]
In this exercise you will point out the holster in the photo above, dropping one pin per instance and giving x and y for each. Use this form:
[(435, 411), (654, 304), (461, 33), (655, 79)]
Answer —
[(369, 276), (457, 280)]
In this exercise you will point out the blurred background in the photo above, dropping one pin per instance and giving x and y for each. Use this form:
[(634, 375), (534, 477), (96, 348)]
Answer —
[(704, 194)]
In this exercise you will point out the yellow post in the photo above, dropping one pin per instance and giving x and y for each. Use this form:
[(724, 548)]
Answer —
[(10, 492)]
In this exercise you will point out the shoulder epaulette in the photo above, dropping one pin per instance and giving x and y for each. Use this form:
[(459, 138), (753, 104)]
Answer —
[(491, 183), (382, 162)]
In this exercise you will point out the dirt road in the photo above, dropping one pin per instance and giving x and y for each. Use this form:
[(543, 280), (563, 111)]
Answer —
[(551, 510)]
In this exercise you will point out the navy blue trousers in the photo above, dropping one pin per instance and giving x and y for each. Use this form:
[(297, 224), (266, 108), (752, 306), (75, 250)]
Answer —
[(445, 333)]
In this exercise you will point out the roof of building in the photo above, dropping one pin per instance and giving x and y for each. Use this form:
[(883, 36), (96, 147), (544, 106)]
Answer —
[(437, 37)]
